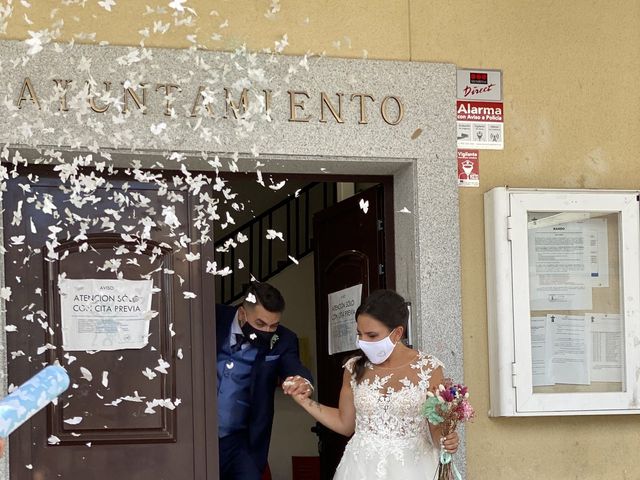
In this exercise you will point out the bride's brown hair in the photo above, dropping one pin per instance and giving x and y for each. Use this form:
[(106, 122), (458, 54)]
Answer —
[(390, 309)]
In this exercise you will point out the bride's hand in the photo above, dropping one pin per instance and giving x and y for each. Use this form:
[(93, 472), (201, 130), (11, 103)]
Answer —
[(297, 387), (450, 442)]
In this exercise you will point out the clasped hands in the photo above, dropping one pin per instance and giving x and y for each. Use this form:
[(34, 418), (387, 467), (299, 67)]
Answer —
[(298, 387)]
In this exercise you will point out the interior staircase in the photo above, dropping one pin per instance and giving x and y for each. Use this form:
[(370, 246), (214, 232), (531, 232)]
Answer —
[(271, 241)]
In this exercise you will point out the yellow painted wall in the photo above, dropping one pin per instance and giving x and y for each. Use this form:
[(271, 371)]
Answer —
[(571, 70)]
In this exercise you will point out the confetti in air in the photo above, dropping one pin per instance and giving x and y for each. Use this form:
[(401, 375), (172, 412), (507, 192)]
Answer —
[(73, 421), (272, 234), (107, 4), (161, 208), (86, 374)]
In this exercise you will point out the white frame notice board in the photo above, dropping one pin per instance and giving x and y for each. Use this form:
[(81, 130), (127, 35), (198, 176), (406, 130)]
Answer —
[(508, 300)]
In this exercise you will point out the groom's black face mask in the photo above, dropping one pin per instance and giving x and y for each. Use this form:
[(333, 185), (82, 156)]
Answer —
[(260, 338), (256, 337)]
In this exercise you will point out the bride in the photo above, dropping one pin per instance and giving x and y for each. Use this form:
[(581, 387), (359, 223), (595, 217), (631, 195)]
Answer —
[(381, 399)]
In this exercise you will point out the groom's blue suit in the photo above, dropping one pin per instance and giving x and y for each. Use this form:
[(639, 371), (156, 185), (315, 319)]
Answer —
[(268, 366)]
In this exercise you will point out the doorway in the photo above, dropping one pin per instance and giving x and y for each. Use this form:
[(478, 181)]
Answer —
[(337, 231)]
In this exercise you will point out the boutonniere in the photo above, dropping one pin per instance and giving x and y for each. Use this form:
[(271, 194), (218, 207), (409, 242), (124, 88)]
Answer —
[(274, 339)]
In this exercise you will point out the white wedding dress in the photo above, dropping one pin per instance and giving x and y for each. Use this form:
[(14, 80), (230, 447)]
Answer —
[(392, 439)]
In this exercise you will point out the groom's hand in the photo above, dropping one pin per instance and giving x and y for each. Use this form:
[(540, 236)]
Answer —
[(297, 387)]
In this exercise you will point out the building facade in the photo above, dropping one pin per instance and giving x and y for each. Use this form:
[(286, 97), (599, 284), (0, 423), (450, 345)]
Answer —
[(568, 80)]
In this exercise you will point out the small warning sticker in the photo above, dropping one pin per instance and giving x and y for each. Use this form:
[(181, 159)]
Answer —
[(468, 168)]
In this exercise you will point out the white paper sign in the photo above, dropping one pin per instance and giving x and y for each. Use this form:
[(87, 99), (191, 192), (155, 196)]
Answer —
[(343, 334), (105, 314), (541, 352), (571, 348), (606, 354), (559, 267)]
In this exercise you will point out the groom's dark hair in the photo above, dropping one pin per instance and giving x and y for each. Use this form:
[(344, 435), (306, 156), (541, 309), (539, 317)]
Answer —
[(266, 295)]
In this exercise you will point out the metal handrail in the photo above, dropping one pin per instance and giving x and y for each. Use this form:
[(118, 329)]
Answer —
[(297, 242)]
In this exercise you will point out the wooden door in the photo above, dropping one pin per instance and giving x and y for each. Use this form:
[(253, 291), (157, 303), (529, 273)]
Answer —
[(50, 231), (349, 250)]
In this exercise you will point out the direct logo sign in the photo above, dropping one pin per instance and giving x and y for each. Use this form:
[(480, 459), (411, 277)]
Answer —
[(479, 85)]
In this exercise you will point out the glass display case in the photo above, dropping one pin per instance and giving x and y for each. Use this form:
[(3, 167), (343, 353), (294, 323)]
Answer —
[(563, 290)]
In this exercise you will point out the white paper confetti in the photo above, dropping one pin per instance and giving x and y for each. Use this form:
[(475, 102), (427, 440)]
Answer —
[(162, 366), (86, 374), (73, 420), (44, 348), (107, 4), (273, 234), (70, 358), (278, 185), (135, 398), (5, 293), (192, 257), (178, 5), (17, 240), (158, 128)]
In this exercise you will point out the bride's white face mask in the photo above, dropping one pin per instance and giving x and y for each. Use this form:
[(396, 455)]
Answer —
[(378, 352)]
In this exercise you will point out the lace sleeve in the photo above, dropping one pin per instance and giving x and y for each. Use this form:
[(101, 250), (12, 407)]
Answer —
[(350, 364), (425, 365), (434, 362)]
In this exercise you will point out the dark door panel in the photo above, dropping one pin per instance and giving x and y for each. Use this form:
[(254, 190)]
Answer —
[(349, 250), (118, 437)]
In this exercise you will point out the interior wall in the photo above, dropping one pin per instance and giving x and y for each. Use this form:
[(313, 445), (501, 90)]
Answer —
[(291, 435)]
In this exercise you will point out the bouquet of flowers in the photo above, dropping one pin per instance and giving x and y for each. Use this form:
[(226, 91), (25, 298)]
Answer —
[(448, 407)]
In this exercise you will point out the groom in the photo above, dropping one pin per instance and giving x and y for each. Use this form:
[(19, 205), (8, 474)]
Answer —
[(253, 352)]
